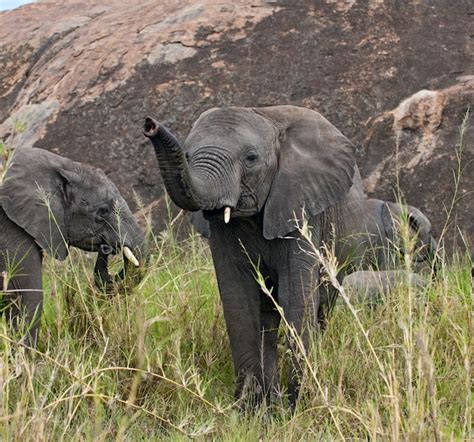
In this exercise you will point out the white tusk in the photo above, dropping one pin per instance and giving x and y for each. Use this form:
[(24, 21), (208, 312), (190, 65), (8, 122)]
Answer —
[(227, 215), (130, 256)]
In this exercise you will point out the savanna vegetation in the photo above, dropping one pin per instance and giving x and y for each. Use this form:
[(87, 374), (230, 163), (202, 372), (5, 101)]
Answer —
[(152, 361)]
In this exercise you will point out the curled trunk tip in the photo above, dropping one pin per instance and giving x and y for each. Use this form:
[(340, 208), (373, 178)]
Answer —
[(150, 127)]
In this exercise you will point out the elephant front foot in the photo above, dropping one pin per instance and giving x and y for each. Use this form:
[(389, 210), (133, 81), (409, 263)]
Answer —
[(251, 392)]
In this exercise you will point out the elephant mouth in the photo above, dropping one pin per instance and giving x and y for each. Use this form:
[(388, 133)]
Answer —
[(246, 206), (107, 249), (223, 213), (102, 277), (220, 214)]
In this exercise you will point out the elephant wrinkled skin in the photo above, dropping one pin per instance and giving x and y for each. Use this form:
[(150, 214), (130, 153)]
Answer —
[(48, 203)]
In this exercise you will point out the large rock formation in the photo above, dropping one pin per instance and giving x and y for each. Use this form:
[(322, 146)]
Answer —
[(423, 151), (82, 75)]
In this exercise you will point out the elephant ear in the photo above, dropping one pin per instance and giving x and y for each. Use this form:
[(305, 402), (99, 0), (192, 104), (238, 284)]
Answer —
[(388, 221), (34, 194), (419, 222), (316, 168), (394, 211), (200, 223)]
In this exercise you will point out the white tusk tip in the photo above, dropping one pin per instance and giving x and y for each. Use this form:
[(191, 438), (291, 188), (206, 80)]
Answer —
[(130, 256), (227, 215)]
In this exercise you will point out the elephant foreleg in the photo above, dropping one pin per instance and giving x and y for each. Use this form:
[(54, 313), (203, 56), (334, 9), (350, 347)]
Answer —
[(241, 311), (328, 295), (269, 323), (299, 298), (241, 297), (23, 314), (24, 296)]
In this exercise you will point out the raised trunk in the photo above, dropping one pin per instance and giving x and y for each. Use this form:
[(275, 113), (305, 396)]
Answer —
[(173, 166)]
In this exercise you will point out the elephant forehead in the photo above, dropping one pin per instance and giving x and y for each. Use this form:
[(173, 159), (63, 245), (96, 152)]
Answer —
[(95, 190), (234, 141), (95, 178), (232, 128)]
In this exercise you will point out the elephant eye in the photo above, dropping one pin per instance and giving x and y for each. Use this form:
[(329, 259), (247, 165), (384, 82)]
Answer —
[(103, 213), (251, 157)]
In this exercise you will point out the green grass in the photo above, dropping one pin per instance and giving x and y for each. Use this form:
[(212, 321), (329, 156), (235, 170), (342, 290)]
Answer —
[(154, 362)]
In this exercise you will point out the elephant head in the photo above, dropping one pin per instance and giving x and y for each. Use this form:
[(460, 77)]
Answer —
[(237, 162), (420, 227), (62, 203)]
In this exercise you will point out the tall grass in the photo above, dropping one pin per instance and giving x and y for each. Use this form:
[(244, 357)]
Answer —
[(154, 362)]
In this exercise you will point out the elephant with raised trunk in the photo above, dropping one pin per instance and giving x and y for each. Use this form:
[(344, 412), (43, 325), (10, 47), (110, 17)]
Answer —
[(252, 174), (49, 203)]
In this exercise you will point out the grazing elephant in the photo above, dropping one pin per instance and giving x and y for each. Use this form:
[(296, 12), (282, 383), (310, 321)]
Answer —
[(377, 244), (251, 172), (369, 286), (48, 203)]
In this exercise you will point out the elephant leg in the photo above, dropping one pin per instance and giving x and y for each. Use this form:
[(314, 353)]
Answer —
[(24, 314), (269, 323), (240, 295), (328, 297), (243, 329), (25, 298), (299, 298)]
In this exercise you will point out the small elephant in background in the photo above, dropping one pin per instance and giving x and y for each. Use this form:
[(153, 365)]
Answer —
[(377, 245), (49, 203), (368, 287)]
